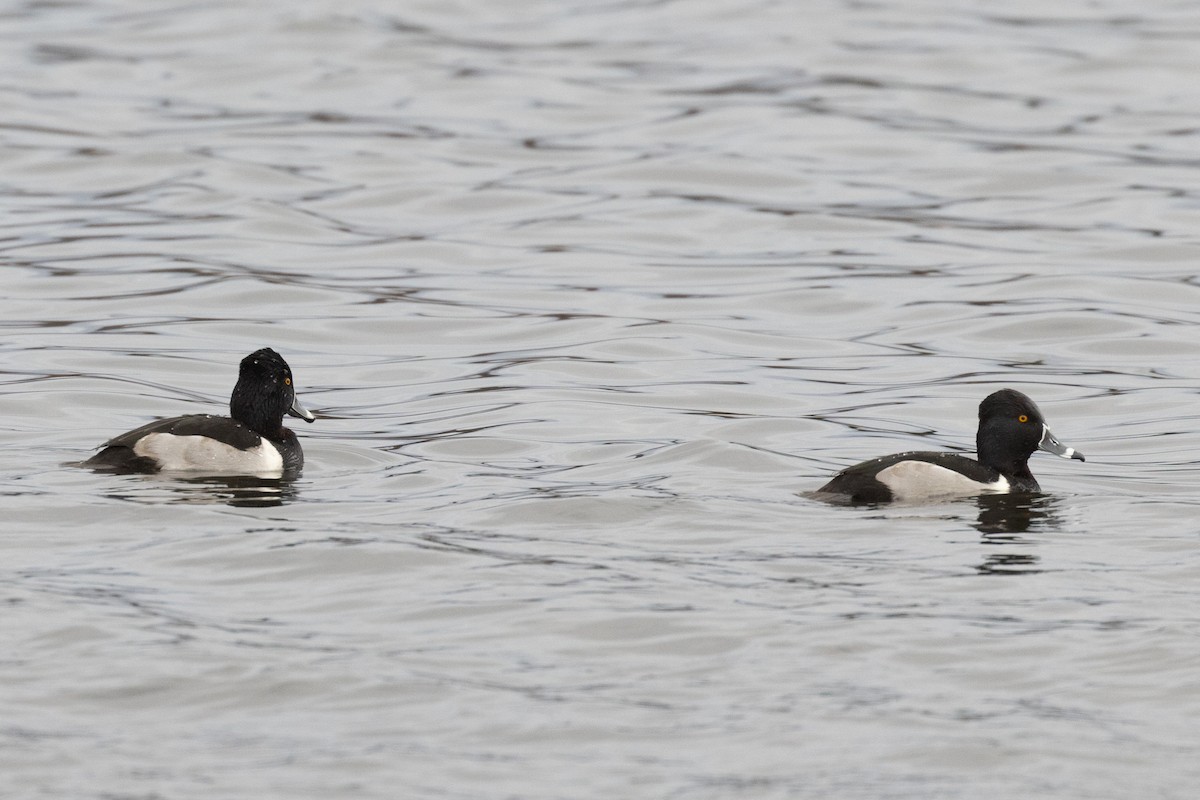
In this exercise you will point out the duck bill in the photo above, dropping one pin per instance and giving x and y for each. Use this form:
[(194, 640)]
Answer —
[(298, 410), (1052, 445)]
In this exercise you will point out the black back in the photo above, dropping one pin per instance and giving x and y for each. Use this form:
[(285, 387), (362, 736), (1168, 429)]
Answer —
[(223, 429)]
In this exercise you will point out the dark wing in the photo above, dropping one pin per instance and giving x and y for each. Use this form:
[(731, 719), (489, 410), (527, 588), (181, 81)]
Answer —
[(223, 429), (963, 465)]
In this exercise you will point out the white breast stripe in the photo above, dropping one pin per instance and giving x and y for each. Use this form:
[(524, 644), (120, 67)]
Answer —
[(202, 454), (914, 480)]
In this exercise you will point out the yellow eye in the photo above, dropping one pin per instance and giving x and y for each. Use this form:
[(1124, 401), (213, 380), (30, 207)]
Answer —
[(1022, 418), (288, 381)]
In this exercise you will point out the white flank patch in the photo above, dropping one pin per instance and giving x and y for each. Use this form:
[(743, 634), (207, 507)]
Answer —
[(914, 480), (202, 454)]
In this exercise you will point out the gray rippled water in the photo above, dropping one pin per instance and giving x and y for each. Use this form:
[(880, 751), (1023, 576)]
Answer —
[(586, 296)]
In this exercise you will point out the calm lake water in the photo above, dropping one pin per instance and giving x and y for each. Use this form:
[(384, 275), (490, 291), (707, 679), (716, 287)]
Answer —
[(586, 295)]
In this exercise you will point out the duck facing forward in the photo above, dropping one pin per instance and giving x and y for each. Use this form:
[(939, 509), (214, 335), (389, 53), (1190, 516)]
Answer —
[(251, 441), (1011, 428)]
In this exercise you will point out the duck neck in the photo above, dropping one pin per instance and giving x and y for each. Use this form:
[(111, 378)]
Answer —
[(1019, 477), (1015, 470), (255, 415)]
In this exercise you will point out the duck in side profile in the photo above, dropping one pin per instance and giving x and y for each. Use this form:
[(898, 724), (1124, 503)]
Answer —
[(251, 441), (1011, 428)]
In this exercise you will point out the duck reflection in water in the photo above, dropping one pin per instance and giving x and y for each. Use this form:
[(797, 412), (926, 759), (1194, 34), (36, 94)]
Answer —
[(1002, 517), (244, 491), (1015, 513)]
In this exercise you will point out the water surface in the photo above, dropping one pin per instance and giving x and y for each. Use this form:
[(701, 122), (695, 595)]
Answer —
[(585, 297)]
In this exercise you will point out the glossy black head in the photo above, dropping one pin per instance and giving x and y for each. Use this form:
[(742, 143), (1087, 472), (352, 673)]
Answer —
[(1011, 428), (264, 393)]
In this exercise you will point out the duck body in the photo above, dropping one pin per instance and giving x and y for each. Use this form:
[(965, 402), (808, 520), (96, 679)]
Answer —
[(919, 475), (1011, 429), (252, 441), (200, 443)]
